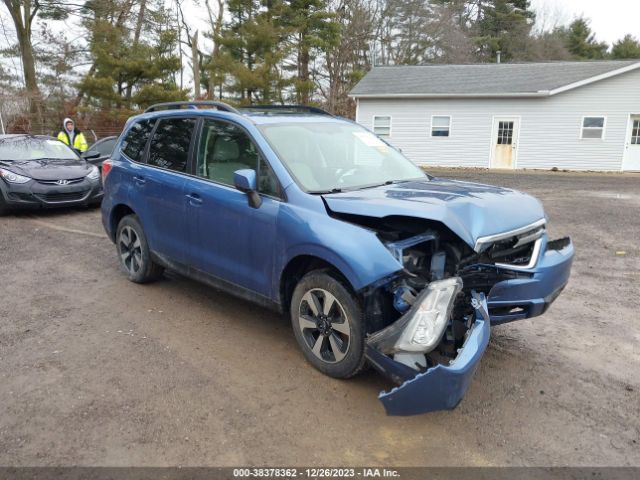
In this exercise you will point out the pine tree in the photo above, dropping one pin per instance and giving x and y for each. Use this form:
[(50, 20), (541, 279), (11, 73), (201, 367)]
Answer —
[(310, 28), (503, 26), (251, 50), (581, 41), (627, 48), (133, 64)]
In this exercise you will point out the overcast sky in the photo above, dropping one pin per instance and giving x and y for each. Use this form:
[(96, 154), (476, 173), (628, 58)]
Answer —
[(610, 19)]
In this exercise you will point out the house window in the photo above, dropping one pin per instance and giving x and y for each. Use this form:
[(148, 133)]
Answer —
[(382, 126), (440, 126), (593, 127), (635, 133)]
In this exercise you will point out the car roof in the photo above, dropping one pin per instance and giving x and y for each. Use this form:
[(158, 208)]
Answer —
[(15, 136), (256, 118), (253, 114), (262, 119)]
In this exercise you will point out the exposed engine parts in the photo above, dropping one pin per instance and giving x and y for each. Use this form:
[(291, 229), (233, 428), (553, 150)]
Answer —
[(430, 254)]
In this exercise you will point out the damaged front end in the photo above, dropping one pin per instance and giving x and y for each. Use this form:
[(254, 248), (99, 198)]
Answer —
[(439, 387), (429, 324)]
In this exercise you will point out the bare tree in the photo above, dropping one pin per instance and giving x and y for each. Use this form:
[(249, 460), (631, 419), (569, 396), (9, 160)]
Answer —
[(345, 64), (216, 20)]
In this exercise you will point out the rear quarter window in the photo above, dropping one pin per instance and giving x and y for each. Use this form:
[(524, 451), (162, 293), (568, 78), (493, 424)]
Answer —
[(136, 140)]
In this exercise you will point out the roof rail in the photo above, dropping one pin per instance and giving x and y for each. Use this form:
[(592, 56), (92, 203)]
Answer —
[(287, 109), (223, 107)]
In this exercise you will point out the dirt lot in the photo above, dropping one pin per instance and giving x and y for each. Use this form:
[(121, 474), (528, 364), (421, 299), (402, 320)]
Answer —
[(97, 371)]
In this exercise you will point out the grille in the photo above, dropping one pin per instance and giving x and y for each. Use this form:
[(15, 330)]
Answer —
[(62, 197), (519, 250), (55, 182), (516, 249)]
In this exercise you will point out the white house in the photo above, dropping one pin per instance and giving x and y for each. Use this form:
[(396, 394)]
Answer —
[(569, 115)]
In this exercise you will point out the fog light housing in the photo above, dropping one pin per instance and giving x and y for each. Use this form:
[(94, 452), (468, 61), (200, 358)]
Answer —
[(422, 327)]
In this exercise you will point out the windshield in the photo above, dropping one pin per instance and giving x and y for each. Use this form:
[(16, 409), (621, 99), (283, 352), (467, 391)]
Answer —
[(22, 149), (326, 157)]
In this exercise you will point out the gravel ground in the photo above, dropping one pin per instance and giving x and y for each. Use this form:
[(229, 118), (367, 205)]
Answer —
[(95, 370)]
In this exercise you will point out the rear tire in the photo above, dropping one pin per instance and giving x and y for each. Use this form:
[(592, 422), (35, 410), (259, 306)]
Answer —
[(133, 252), (328, 324)]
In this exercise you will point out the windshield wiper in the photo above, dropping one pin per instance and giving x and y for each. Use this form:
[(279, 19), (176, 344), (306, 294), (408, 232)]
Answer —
[(374, 185), (324, 192)]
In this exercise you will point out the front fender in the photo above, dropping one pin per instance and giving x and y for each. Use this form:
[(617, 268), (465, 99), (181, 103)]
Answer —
[(354, 250)]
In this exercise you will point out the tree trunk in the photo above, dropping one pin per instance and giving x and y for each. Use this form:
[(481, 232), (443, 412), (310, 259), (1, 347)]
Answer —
[(195, 60), (139, 21), (22, 16), (303, 70), (136, 41)]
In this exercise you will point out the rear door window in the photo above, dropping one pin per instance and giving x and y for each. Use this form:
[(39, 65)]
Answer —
[(170, 144), (136, 140)]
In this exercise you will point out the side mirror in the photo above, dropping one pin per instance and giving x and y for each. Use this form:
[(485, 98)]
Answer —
[(246, 181), (90, 154)]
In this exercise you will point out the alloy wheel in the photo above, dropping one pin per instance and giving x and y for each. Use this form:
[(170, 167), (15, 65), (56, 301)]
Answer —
[(130, 250), (324, 325)]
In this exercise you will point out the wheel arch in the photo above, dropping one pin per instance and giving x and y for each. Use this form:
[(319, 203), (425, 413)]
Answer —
[(117, 214), (299, 266)]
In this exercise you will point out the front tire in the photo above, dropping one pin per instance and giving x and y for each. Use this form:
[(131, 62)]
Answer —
[(134, 253), (328, 324)]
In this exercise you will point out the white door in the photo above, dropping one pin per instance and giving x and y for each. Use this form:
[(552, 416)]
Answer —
[(504, 146), (632, 148)]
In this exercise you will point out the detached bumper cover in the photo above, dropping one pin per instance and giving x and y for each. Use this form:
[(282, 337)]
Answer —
[(441, 387)]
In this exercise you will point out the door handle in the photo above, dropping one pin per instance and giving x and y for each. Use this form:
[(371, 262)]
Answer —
[(139, 180), (194, 199)]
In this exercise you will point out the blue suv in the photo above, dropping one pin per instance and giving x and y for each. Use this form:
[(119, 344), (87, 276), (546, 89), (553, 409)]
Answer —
[(375, 262)]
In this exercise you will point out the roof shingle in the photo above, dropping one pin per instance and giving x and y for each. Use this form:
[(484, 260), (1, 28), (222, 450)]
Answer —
[(481, 79)]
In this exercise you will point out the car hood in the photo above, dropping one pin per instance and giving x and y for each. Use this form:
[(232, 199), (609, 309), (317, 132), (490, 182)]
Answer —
[(50, 169), (470, 210)]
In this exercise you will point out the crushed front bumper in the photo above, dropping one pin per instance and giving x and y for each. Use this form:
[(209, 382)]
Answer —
[(440, 387)]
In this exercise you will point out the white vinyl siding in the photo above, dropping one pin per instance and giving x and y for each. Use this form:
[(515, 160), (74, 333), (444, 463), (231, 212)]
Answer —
[(550, 127)]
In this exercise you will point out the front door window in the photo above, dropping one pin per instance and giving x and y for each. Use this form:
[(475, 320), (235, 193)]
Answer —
[(225, 148)]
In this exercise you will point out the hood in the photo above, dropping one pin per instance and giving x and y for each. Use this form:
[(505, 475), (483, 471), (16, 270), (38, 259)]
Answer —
[(470, 210), (64, 125), (50, 169)]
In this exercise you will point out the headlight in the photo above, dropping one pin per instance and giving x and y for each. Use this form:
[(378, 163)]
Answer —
[(11, 177), (94, 174), (421, 328)]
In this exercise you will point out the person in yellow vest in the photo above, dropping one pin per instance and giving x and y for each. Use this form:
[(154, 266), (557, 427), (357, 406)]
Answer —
[(73, 137)]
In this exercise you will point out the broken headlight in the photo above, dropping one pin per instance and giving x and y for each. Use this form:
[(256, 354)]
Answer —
[(422, 327)]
